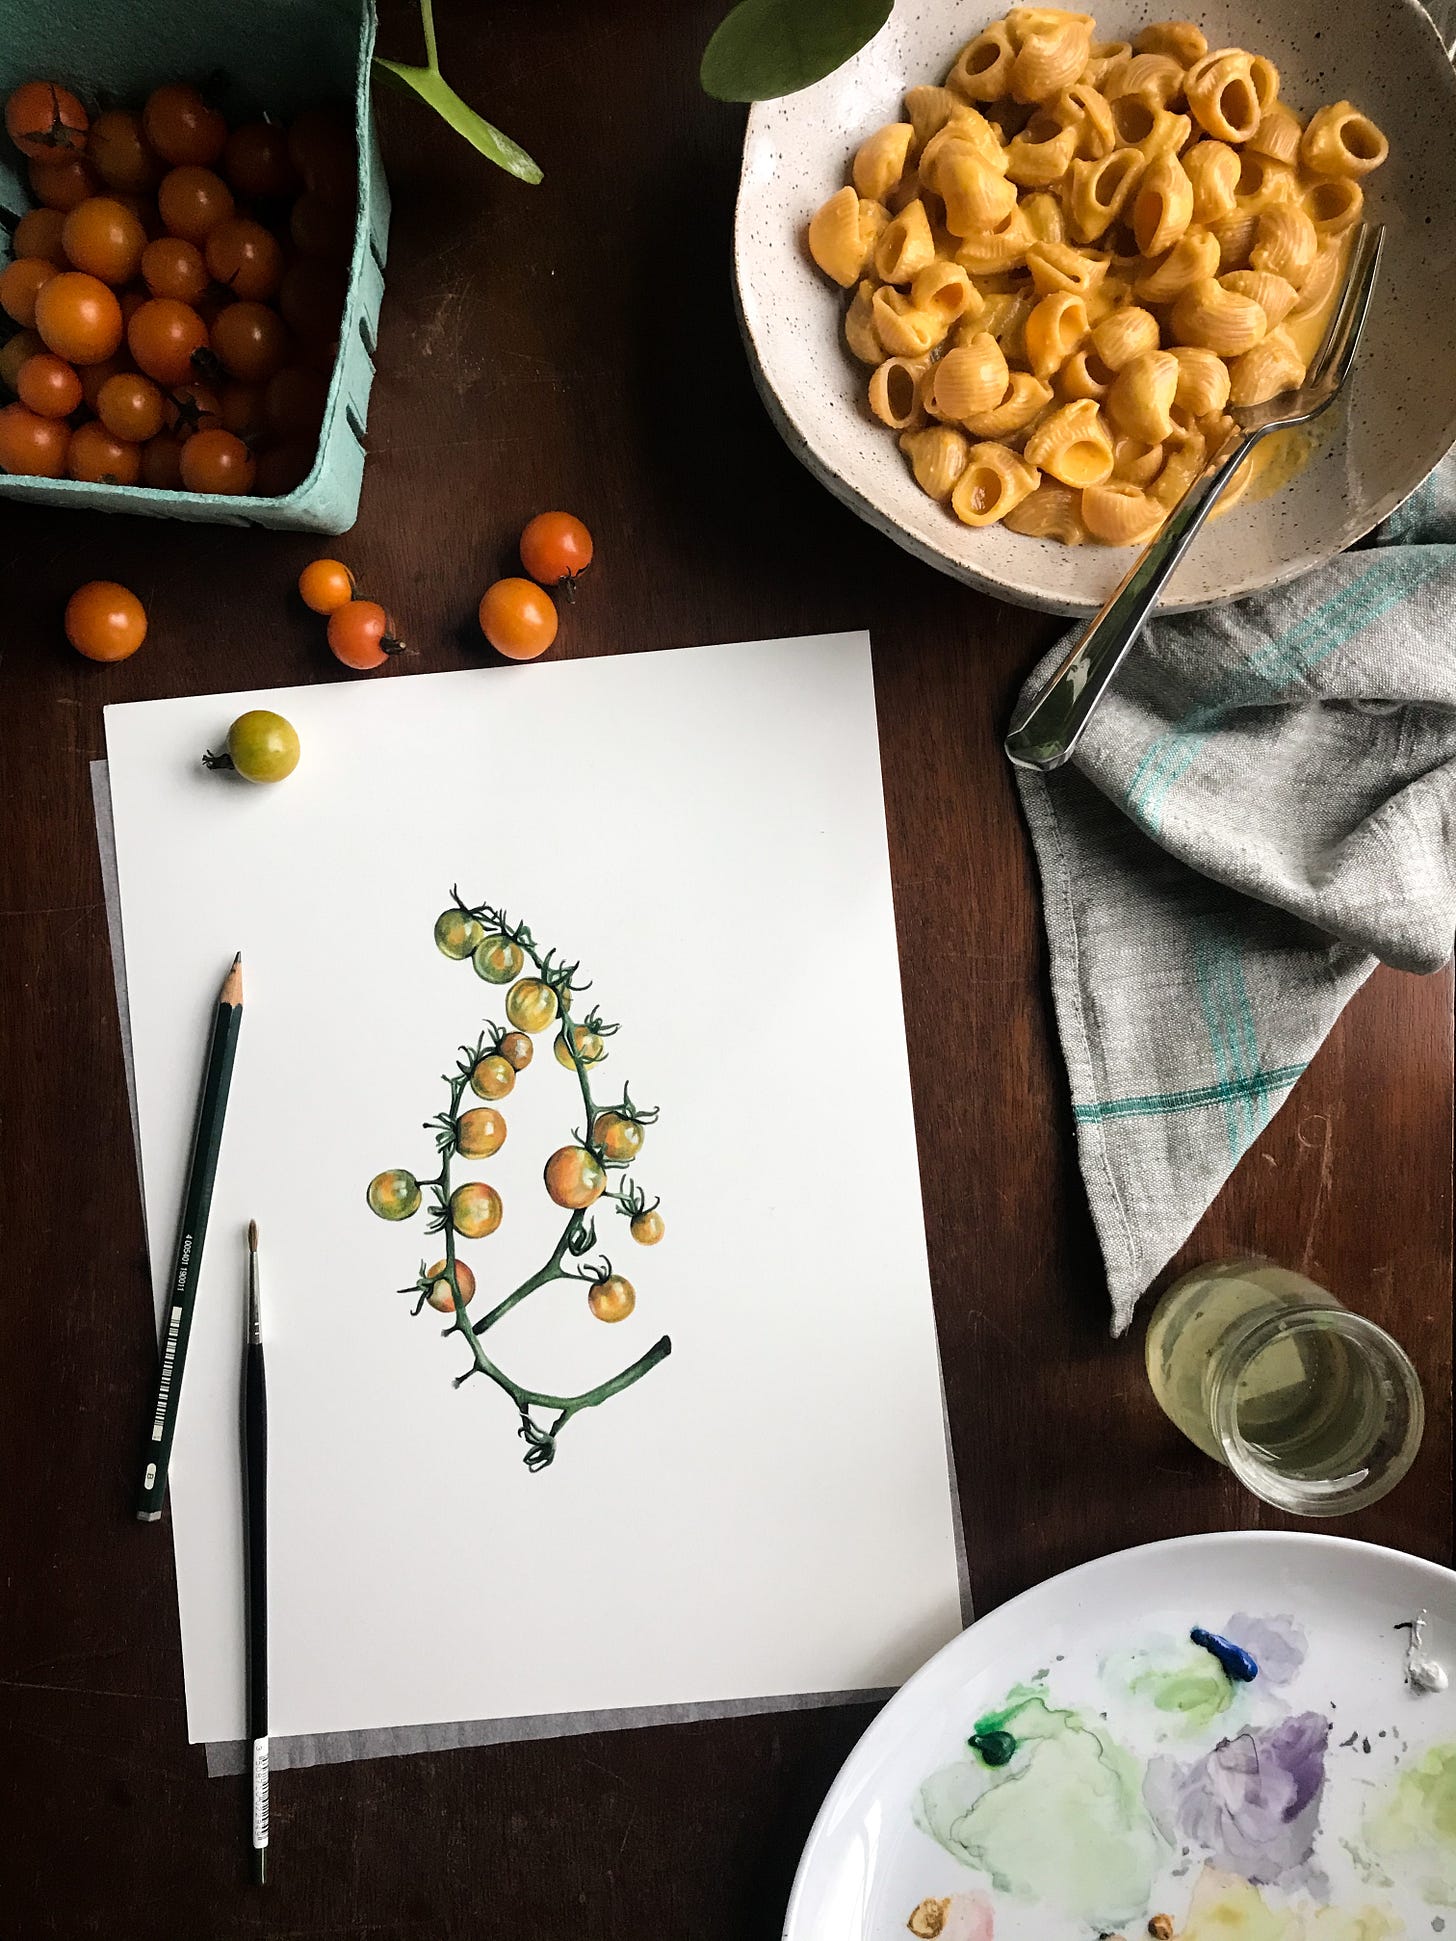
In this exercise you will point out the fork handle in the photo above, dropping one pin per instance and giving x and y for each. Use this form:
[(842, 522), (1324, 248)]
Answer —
[(1044, 733)]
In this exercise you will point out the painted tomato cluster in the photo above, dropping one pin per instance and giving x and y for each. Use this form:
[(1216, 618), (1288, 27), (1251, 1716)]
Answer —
[(176, 293), (541, 995)]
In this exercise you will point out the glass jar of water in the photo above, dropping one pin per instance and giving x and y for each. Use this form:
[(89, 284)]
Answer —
[(1314, 1409)]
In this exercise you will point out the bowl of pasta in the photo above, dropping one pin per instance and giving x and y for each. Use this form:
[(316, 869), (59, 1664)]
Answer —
[(1000, 281)]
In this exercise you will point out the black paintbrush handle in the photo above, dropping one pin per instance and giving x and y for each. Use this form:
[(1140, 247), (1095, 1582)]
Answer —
[(255, 1456)]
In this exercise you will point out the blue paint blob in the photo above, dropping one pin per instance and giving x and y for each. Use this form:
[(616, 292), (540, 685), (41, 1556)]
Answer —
[(1236, 1662)]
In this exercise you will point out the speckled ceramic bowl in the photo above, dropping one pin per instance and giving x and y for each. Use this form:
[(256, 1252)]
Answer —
[(1399, 414)]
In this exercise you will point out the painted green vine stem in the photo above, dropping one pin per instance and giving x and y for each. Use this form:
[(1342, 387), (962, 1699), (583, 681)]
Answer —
[(577, 1238)]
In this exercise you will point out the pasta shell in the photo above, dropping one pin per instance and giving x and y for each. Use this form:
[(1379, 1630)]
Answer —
[(1002, 248), (1271, 367), (1151, 78), (1169, 135), (1045, 218), (1087, 109), (1285, 243), (1178, 38), (1052, 53), (1060, 266), (982, 70), (1278, 134), (1099, 189), (859, 326), (880, 160), (995, 479), (1126, 334), (901, 328), (1182, 465), (842, 234), (1004, 318), (1186, 263), (1203, 381), (1274, 296), (1265, 77), (1026, 397), (1222, 96), (1213, 169), (1163, 206), (1104, 58), (1053, 511), (1334, 204), (971, 379), (1341, 141), (1234, 234), (1141, 399), (894, 392), (1056, 327), (1120, 513), (1084, 375), (976, 197), (966, 128), (1319, 281), (945, 287), (928, 109), (1217, 319), (1073, 444), (1263, 181), (905, 245), (1134, 460), (1042, 153), (938, 456)]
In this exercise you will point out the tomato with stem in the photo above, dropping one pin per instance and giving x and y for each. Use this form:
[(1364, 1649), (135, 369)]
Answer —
[(105, 621), (493, 1077), (362, 636), (517, 618), (104, 238), (498, 960), (131, 407), (589, 1047), (531, 1005), (250, 340), (217, 462), (95, 457), (182, 127), (618, 1136), (191, 408), (47, 123), (647, 1227), (262, 747), (21, 283), (440, 1297), (117, 150), (556, 549), (192, 202), (517, 1050), (394, 1195), (49, 385), (173, 267), (324, 586), (165, 336), (38, 233), (456, 934), (245, 257), (475, 1210), (612, 1298), (479, 1133), (32, 446), (574, 1177)]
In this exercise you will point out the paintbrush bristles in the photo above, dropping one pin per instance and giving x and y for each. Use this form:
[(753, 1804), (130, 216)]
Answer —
[(232, 984), (252, 1236)]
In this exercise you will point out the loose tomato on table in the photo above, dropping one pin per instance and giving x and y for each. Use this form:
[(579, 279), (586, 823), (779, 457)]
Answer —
[(518, 619), (325, 585), (263, 747), (556, 549), (362, 636), (105, 621)]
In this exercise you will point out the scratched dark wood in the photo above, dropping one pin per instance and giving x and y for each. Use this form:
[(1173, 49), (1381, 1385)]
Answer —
[(575, 345)]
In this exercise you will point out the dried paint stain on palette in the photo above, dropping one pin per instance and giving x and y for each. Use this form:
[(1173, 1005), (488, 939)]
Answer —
[(1194, 1798)]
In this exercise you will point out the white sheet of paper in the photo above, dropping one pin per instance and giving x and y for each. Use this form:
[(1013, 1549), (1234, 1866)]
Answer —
[(768, 1511)]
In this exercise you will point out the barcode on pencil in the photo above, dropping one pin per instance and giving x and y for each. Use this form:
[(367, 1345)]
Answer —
[(169, 1358), (260, 1792)]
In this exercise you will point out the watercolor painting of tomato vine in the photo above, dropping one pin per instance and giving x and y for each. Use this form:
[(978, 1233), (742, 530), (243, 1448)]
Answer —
[(588, 1172)]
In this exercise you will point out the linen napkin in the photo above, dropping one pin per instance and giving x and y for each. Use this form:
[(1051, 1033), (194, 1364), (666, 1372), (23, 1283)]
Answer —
[(1261, 809)]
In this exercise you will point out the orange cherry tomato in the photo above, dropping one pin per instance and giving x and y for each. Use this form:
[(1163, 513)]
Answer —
[(15, 353), (555, 548), (61, 185), (360, 635), (104, 238), (241, 409), (38, 233), (173, 267), (116, 148), (32, 446), (181, 127), (162, 463), (245, 257), (131, 407), (326, 585), (97, 458), (518, 619), (217, 462), (46, 121), (20, 284), (250, 340), (93, 376), (78, 317), (48, 385), (192, 407), (105, 621), (255, 160), (164, 336), (192, 202)]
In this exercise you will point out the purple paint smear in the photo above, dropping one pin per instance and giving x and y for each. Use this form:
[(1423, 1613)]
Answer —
[(1252, 1803), (1277, 1644)]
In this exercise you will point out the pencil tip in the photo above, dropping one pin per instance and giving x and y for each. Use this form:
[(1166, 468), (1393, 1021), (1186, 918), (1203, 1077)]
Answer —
[(237, 960), (232, 984), (252, 1236)]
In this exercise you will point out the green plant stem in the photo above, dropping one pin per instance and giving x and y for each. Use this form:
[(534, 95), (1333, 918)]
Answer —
[(427, 20)]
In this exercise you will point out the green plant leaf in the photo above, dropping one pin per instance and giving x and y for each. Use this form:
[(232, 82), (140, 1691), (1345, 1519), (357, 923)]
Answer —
[(437, 92), (766, 48)]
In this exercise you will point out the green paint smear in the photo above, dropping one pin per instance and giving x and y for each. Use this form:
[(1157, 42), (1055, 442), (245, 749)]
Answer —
[(1181, 1680), (1064, 1822), (1412, 1829)]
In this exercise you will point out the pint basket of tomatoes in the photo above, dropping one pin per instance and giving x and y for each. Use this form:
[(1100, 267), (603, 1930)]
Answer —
[(193, 219)]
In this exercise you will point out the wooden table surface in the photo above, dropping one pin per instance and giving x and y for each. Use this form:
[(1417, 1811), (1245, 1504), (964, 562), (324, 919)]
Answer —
[(574, 345)]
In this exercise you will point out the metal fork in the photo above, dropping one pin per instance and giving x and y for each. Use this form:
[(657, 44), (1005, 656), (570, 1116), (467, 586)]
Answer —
[(1045, 731)]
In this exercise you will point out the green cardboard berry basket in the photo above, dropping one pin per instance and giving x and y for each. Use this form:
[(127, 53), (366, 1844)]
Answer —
[(273, 56)]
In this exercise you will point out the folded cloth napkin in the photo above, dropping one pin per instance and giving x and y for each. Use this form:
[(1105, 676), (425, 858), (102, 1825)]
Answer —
[(1261, 808)]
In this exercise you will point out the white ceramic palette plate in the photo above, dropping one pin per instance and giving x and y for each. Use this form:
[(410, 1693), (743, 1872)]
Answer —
[(1315, 1803)]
